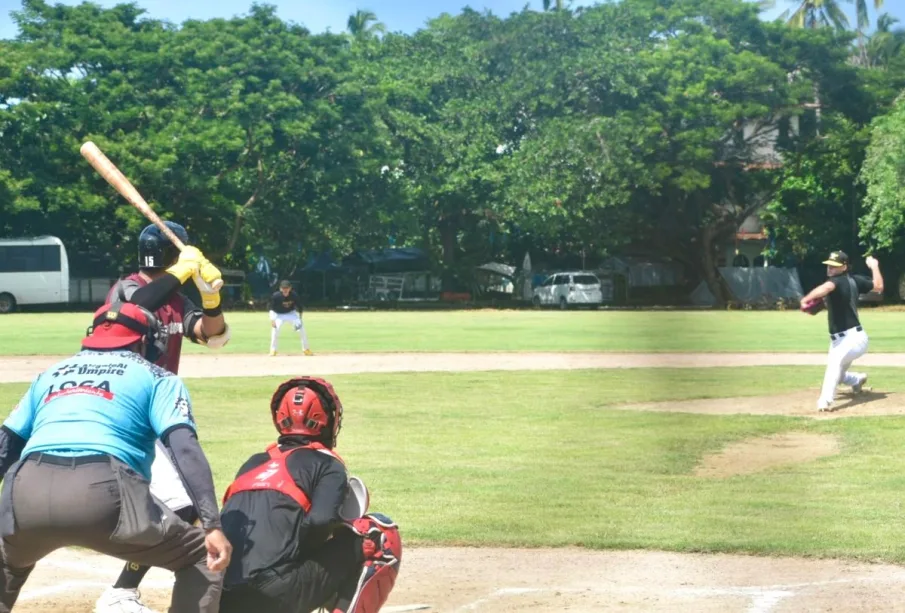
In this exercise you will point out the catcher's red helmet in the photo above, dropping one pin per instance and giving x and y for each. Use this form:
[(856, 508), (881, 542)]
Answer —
[(309, 407)]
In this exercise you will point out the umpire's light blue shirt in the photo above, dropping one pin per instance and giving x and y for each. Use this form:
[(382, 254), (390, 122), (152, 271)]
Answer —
[(113, 402)]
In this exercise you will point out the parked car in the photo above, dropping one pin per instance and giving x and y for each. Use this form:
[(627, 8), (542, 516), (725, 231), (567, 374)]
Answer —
[(565, 289)]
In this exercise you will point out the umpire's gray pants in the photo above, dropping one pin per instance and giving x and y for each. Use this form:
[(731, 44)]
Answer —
[(99, 503)]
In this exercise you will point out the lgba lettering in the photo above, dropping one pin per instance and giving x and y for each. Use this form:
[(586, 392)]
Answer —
[(89, 386)]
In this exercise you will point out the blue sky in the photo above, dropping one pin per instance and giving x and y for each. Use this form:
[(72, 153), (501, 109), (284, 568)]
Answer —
[(320, 15)]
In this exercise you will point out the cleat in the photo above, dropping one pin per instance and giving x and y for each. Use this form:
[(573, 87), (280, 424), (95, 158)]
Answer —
[(115, 600)]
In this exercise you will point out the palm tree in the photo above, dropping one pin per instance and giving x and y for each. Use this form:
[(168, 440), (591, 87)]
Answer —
[(823, 13), (817, 13), (885, 43), (548, 3), (364, 24), (861, 10)]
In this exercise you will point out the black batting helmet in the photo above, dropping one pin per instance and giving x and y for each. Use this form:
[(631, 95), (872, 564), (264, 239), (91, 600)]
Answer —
[(155, 250)]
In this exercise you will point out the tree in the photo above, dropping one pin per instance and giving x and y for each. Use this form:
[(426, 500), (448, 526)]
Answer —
[(442, 116), (364, 24), (861, 11), (668, 144), (883, 175), (886, 44), (818, 13), (818, 204)]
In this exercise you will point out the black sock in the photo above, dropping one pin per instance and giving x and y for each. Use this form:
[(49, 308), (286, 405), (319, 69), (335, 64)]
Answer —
[(131, 576), (133, 573)]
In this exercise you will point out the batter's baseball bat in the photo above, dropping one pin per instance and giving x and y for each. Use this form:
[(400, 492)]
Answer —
[(120, 183)]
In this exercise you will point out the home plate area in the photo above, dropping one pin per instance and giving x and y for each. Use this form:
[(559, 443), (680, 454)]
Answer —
[(510, 580)]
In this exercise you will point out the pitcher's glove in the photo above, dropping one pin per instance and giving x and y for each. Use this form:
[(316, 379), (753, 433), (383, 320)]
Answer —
[(813, 307)]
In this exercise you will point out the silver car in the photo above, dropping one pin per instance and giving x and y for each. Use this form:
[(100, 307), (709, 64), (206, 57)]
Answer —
[(565, 289)]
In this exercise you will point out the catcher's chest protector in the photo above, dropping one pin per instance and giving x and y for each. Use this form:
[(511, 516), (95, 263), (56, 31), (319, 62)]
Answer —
[(274, 475)]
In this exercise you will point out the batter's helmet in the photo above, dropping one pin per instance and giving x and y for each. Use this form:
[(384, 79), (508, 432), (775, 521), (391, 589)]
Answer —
[(123, 325), (308, 407), (155, 250)]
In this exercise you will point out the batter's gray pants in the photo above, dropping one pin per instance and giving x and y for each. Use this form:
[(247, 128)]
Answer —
[(99, 503)]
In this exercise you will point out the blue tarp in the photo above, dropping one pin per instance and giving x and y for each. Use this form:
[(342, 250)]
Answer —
[(321, 262), (388, 260)]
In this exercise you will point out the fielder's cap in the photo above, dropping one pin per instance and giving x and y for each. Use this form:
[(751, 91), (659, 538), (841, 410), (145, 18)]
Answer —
[(837, 258), (285, 283), (116, 327)]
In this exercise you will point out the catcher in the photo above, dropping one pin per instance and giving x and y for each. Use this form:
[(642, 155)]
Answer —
[(300, 537), (848, 340)]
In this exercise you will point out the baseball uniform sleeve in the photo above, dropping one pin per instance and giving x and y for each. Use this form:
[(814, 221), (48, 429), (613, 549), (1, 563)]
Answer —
[(171, 406), (155, 294), (864, 284), (191, 313), (326, 500), (22, 417)]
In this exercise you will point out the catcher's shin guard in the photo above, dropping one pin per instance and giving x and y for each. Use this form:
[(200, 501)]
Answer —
[(383, 555)]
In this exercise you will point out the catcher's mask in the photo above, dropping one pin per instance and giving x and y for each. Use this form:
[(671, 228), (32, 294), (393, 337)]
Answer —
[(122, 325), (309, 407)]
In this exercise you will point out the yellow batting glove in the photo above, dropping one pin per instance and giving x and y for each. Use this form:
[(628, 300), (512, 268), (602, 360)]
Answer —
[(209, 272), (204, 279), (188, 263)]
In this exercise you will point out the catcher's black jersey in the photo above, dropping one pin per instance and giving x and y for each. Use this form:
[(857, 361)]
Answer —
[(842, 302), (268, 529)]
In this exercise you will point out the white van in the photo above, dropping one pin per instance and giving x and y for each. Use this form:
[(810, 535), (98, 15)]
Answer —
[(565, 289), (33, 271)]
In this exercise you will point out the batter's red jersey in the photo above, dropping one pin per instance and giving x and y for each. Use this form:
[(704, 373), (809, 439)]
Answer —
[(177, 316)]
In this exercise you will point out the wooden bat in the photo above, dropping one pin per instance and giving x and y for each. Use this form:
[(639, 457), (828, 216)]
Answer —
[(120, 183)]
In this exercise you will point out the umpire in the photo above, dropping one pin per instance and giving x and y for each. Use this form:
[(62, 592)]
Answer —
[(75, 458)]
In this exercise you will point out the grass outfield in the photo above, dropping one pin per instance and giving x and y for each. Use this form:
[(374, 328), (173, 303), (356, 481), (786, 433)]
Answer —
[(639, 331), (60, 333), (544, 459)]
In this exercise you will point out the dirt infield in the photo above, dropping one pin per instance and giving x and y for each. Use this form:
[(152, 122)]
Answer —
[(458, 580), (19, 369)]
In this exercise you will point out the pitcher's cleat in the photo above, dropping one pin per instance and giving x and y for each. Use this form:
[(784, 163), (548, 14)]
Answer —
[(308, 352), (859, 386)]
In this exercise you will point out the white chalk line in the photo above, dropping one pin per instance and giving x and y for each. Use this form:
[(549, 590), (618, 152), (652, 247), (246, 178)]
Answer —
[(75, 586), (94, 567), (763, 598)]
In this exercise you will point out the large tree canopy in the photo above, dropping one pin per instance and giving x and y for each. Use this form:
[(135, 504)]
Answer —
[(883, 174), (656, 126)]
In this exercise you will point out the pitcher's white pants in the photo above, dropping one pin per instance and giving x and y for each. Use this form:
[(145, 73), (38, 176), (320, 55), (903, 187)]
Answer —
[(843, 351)]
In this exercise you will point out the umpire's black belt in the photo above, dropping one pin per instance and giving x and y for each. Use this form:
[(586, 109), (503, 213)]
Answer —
[(59, 460), (841, 334)]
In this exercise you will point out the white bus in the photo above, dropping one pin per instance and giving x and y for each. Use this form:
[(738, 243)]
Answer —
[(33, 271)]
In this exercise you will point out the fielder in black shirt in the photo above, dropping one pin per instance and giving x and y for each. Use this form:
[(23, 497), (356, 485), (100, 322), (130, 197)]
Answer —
[(286, 307), (848, 340)]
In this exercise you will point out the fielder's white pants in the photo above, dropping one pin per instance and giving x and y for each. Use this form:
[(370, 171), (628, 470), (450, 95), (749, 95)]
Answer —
[(843, 351), (283, 318)]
